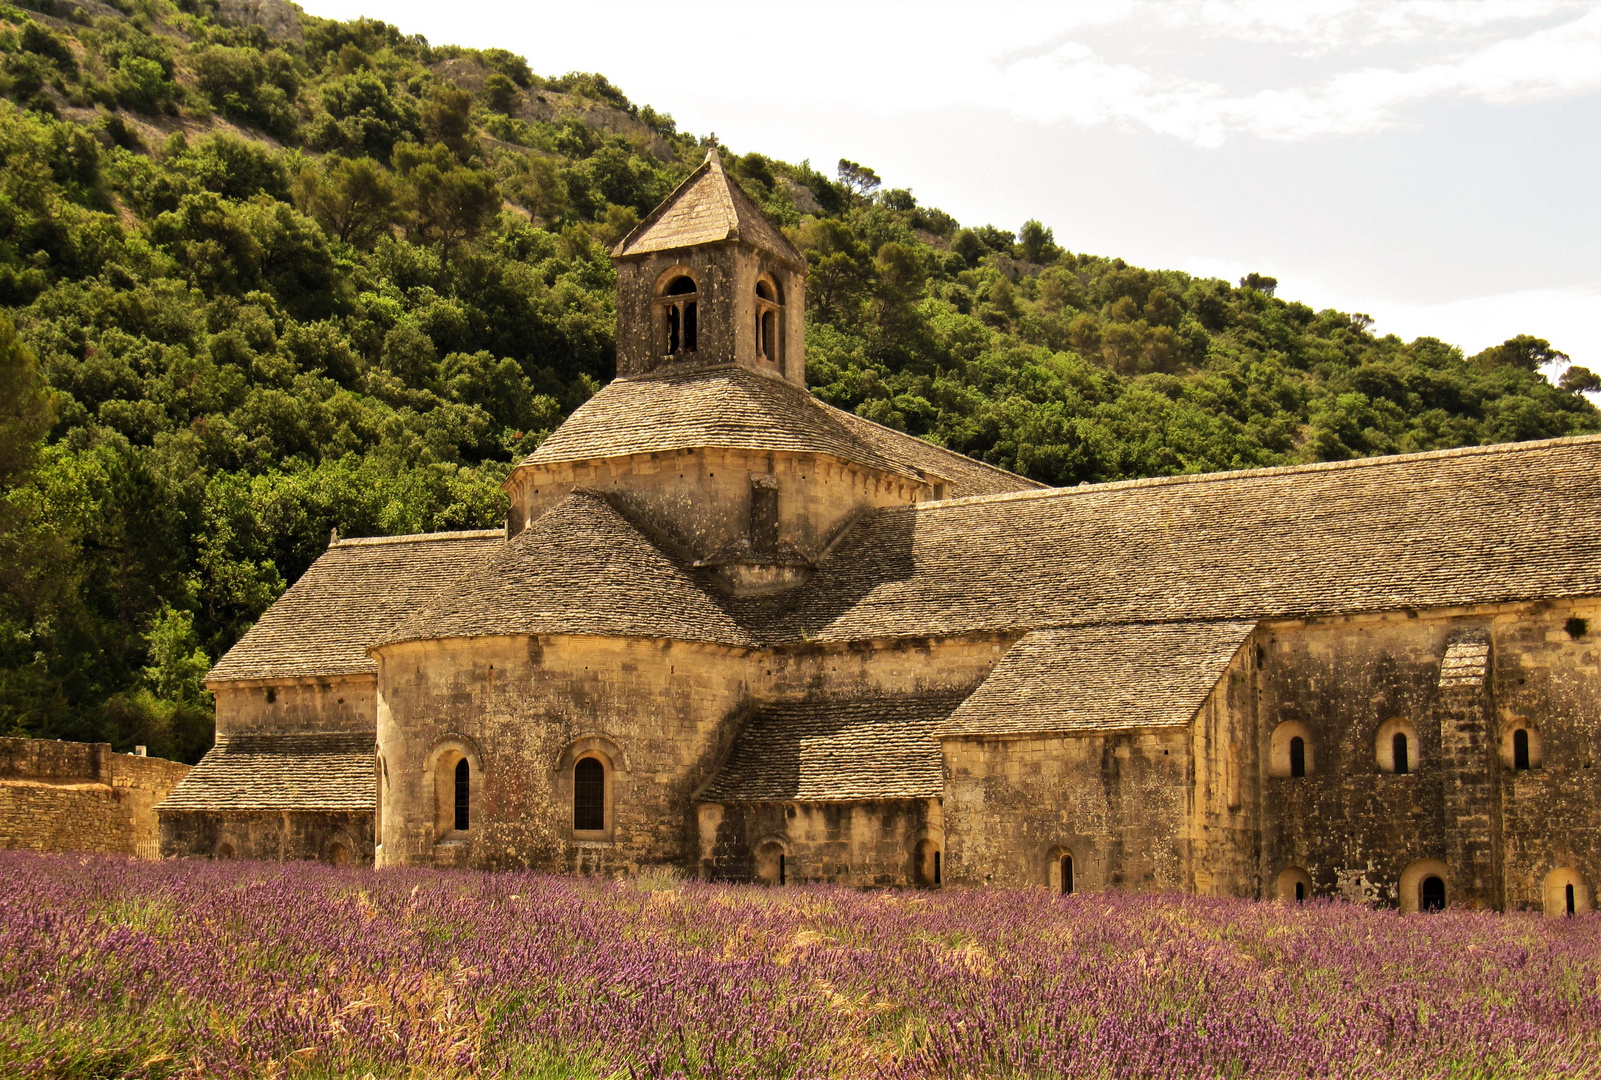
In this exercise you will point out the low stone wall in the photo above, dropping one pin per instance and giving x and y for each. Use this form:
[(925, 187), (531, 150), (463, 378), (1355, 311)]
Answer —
[(66, 796), (337, 837)]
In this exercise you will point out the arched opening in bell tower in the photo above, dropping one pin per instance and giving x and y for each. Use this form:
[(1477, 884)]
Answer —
[(769, 322), (677, 317)]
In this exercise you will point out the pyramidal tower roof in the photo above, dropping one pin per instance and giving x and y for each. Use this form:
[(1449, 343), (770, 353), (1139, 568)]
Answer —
[(709, 207)]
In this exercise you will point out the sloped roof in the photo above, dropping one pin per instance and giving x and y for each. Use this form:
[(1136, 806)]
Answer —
[(1100, 678), (736, 408), (281, 772), (706, 208), (837, 750), (582, 568), (347, 599), (964, 476), (1474, 526)]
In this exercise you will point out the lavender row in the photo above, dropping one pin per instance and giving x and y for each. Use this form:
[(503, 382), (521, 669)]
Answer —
[(111, 967)]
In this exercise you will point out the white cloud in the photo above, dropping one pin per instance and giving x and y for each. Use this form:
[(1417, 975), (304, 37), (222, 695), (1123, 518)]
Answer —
[(1074, 83)]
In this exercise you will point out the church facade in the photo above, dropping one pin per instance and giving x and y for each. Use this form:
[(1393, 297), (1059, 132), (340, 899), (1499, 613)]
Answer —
[(731, 630)]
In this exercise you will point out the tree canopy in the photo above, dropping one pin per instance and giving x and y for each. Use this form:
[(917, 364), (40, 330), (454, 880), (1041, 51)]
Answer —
[(262, 281)]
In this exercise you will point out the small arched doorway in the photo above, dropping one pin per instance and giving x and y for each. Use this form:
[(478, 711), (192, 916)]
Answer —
[(926, 868), (1431, 893), (1294, 885), (772, 863), (1424, 886), (1059, 877)]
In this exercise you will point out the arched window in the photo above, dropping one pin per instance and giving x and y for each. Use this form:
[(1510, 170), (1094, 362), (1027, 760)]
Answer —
[(1290, 752), (677, 316), (458, 776), (382, 771), (589, 795), (463, 790), (1431, 894), (769, 323), (1520, 748), (1396, 747)]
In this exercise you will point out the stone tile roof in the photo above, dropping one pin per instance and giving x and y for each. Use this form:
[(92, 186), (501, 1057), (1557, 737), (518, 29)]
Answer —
[(706, 208), (965, 477), (1100, 678), (835, 751), (1467, 659), (347, 599), (1482, 525), (737, 408), (281, 772), (582, 568)]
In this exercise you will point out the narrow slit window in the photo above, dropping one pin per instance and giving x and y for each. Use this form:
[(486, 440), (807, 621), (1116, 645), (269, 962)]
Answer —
[(1300, 891), (937, 881), (781, 870), (589, 795), (1067, 874), (463, 788), (1571, 907), (1398, 749), (1298, 756), (1520, 749)]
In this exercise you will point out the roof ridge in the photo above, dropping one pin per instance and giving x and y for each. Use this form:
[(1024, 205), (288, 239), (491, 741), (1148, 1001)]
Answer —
[(1268, 470), (418, 538)]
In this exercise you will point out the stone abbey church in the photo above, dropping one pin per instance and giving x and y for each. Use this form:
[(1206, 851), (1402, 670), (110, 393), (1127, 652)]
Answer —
[(731, 630)]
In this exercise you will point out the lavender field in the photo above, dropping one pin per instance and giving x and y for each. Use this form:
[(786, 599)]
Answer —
[(117, 968)]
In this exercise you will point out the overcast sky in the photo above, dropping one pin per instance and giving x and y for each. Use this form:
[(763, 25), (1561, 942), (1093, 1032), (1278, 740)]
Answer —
[(1434, 165)]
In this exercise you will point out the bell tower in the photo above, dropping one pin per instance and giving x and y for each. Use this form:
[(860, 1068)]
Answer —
[(707, 281)]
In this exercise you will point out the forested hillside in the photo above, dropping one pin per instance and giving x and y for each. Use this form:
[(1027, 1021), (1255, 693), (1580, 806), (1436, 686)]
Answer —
[(272, 275)]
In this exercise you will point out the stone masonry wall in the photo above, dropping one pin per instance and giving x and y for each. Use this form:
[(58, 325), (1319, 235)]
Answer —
[(328, 703), (702, 498), (1355, 828), (662, 714), (725, 277), (1115, 801), (842, 843), (338, 837), (64, 796)]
